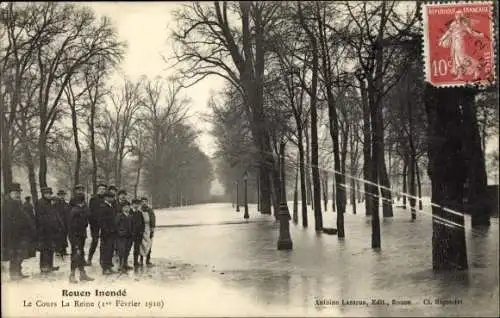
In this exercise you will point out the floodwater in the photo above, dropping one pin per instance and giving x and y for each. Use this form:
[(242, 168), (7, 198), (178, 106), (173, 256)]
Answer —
[(210, 261)]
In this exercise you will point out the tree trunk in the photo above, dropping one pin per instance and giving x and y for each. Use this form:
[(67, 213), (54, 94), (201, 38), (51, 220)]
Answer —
[(137, 179), (374, 165), (92, 147), (419, 186), (367, 140), (78, 158), (42, 150), (478, 202), (353, 195), (386, 194), (303, 189), (6, 157), (334, 194), (405, 184), (296, 197), (412, 186), (30, 167), (308, 167), (325, 190), (447, 170)]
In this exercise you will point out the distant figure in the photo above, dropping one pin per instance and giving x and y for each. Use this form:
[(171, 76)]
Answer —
[(454, 39), (147, 237), (77, 232), (113, 189), (18, 232), (48, 228), (28, 205), (124, 230), (108, 233), (95, 210), (138, 229)]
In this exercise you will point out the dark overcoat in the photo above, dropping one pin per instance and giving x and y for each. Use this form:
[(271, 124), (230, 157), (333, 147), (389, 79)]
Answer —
[(77, 224), (20, 232), (50, 226)]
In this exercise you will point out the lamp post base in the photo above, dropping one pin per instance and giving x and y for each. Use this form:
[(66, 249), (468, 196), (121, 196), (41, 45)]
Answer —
[(284, 240), (285, 245)]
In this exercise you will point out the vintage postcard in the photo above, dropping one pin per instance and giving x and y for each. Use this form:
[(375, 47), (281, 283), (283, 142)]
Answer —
[(249, 159)]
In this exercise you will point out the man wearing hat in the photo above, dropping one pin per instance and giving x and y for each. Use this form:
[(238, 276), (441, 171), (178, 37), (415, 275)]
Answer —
[(62, 207), (18, 232), (79, 190), (95, 210), (108, 232), (137, 229), (48, 228)]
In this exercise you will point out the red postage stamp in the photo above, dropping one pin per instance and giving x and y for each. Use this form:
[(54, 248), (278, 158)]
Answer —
[(458, 44)]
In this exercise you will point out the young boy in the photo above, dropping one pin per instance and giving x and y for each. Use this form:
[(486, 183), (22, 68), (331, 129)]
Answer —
[(124, 239)]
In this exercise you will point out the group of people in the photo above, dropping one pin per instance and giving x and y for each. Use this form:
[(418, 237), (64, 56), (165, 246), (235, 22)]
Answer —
[(119, 225)]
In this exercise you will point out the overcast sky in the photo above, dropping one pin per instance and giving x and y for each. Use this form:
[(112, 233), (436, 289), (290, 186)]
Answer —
[(145, 26)]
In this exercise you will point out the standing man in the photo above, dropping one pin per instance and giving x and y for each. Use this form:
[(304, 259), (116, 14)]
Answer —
[(77, 232), (62, 208), (124, 236), (108, 233), (78, 190), (47, 221), (152, 225), (95, 209), (113, 189), (19, 232), (138, 229)]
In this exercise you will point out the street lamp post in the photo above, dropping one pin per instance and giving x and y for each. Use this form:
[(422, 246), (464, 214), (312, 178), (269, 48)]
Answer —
[(245, 179), (237, 197), (284, 240)]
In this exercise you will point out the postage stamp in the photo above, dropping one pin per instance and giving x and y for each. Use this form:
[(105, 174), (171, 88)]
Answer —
[(459, 43)]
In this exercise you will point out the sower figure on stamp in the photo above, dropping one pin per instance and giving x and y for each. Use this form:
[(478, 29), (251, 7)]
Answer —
[(152, 225), (77, 232), (18, 232), (95, 210), (124, 236), (62, 208), (48, 226), (138, 229), (108, 233)]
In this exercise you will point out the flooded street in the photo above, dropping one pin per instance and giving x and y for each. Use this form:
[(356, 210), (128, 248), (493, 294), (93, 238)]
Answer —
[(210, 261)]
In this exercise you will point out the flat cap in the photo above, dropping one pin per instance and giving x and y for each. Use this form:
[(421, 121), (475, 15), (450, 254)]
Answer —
[(61, 192), (108, 194), (102, 184), (79, 186), (144, 198), (112, 187), (46, 190), (136, 201), (122, 191), (14, 187)]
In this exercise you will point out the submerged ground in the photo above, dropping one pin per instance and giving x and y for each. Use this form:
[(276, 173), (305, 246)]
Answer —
[(210, 261)]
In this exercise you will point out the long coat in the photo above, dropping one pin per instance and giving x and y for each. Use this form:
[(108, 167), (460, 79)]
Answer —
[(62, 208), (19, 227), (137, 224), (77, 224), (107, 220), (50, 226)]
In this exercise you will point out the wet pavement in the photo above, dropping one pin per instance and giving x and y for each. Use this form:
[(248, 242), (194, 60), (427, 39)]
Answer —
[(210, 261)]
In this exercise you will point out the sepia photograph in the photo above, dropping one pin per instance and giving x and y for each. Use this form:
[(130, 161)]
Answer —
[(249, 159)]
